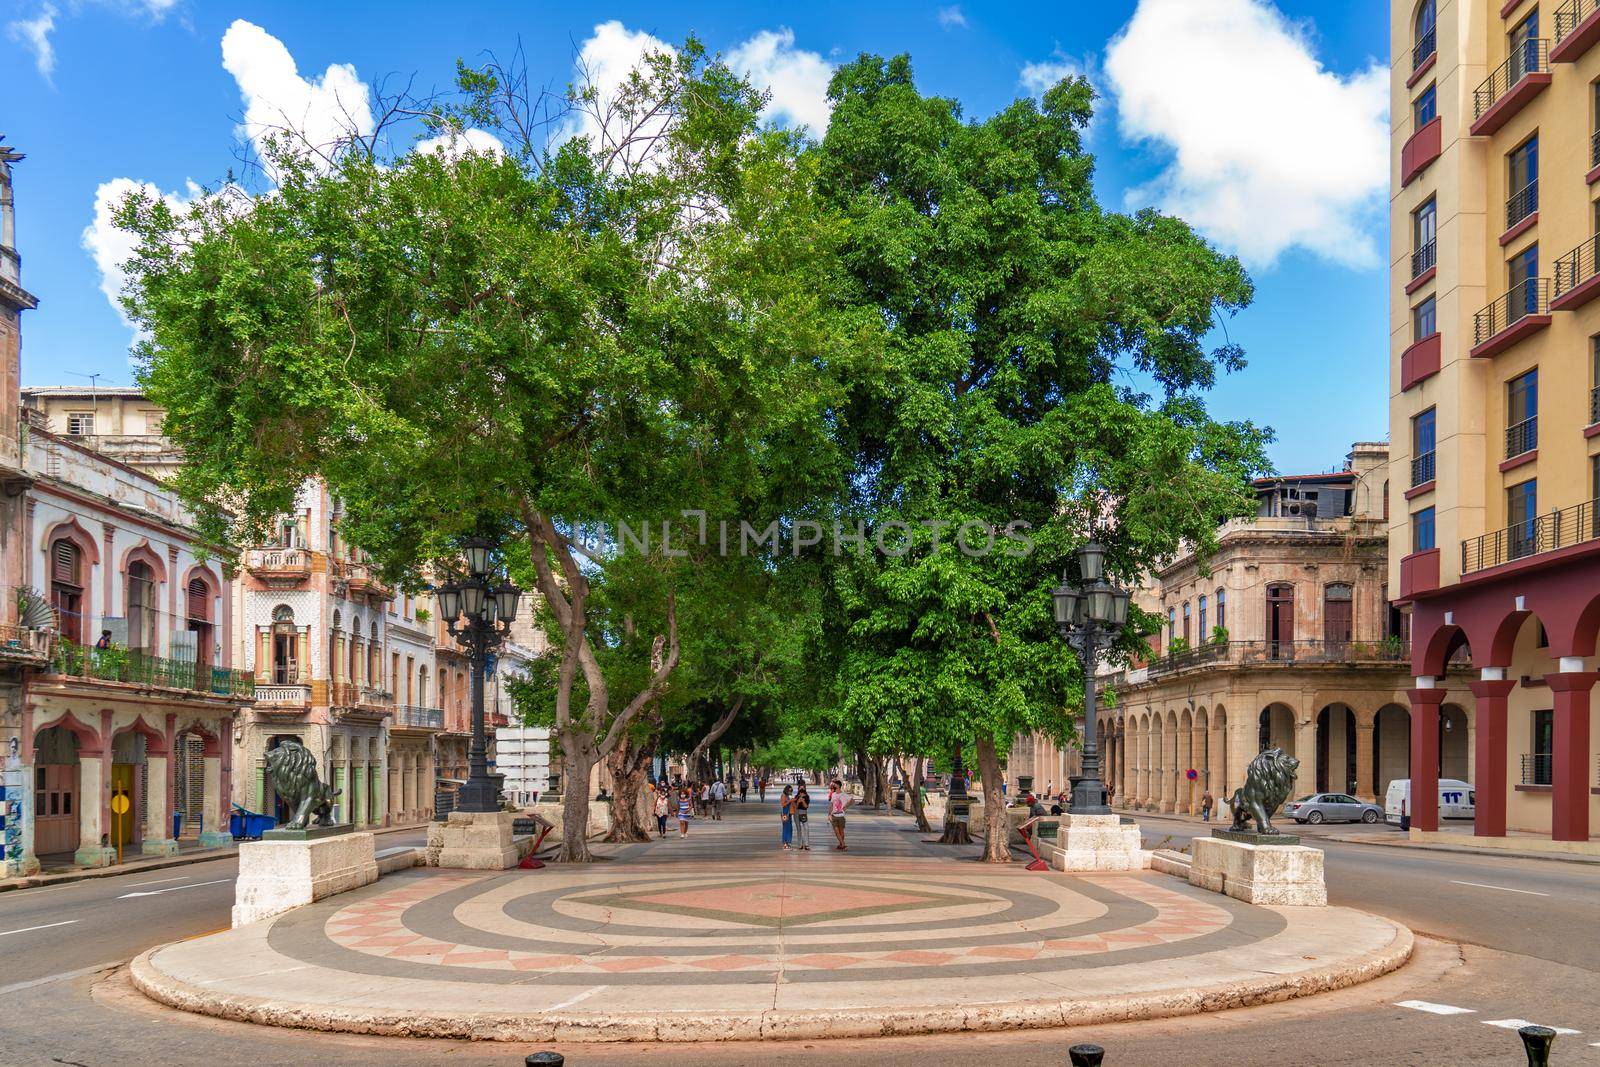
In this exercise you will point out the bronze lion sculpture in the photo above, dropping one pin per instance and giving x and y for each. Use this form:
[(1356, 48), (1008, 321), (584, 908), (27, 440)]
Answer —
[(293, 773), (1267, 784)]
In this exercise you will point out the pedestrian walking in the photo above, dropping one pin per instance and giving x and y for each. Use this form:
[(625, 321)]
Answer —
[(719, 793), (761, 788), (685, 809), (802, 831), (837, 802), (663, 808), (786, 816), (1207, 802), (744, 788)]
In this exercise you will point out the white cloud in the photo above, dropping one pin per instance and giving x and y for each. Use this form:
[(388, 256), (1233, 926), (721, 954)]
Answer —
[(606, 59), (1039, 78), (950, 17), (111, 246), (323, 112), (35, 34), (1271, 150), (454, 143), (797, 79)]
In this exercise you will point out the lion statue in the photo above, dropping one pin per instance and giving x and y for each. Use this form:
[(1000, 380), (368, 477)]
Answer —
[(1267, 784), (293, 774)]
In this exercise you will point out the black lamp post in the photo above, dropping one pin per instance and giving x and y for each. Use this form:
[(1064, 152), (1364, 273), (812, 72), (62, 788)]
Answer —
[(1090, 615), (478, 610)]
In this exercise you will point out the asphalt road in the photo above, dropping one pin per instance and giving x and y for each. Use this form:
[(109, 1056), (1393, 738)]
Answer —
[(1519, 945)]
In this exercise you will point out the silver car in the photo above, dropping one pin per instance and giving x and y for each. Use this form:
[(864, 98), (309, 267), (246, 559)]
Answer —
[(1332, 807)]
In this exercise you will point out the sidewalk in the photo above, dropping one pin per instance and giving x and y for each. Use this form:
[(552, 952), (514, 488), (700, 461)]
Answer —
[(151, 863)]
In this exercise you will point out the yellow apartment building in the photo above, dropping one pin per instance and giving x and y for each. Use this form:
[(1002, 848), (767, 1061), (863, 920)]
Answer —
[(1494, 543)]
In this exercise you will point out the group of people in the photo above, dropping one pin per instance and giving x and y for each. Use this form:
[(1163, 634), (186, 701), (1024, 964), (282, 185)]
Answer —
[(794, 815)]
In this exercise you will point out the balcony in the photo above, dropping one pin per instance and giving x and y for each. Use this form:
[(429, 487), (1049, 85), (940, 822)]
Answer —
[(1594, 406), (1423, 262), (1522, 437), (1577, 28), (361, 579), (1522, 310), (1423, 54), (1536, 769), (361, 697), (279, 697), (1422, 148), (417, 717), (117, 664), (1576, 281), (1571, 526), (1423, 469), (1419, 573), (1522, 212), (1278, 654), (278, 566), (1518, 80), (1421, 361), (22, 646)]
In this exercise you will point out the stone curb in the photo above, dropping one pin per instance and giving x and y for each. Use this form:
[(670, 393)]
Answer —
[(33, 881), (775, 1025), (1461, 850)]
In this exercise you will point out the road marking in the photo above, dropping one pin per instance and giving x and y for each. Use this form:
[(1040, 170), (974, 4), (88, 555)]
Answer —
[(172, 889), (581, 996), (46, 926), (1502, 888), (79, 973), (158, 881), (1435, 1009), (1518, 1024)]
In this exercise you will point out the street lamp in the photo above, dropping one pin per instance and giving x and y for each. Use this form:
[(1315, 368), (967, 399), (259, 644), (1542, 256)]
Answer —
[(478, 610), (1090, 616)]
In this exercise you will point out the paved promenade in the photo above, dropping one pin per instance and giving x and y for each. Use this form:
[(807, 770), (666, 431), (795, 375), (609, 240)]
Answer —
[(722, 936)]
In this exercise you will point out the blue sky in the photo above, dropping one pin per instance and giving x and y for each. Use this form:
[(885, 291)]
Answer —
[(1261, 122)]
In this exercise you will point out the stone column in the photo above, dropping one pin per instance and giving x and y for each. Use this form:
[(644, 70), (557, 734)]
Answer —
[(1366, 723), (1305, 750), (93, 796), (1169, 776), (1569, 760), (1489, 812), (214, 807), (1184, 744), (1425, 755), (158, 839)]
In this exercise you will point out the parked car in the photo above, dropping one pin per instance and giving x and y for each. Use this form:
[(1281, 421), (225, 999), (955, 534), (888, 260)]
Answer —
[(1457, 799), (1331, 807)]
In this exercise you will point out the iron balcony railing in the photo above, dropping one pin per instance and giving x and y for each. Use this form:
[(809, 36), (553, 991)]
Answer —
[(1536, 768), (419, 716), (1542, 533), (1594, 149), (1522, 436), (1530, 57), (1576, 267), (1530, 297), (1424, 258), (1522, 203), (1426, 45), (1422, 468), (1248, 653), (117, 664), (1594, 405), (1568, 15)]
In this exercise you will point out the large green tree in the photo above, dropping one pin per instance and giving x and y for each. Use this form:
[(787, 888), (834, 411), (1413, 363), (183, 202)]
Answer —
[(630, 323), (1043, 374)]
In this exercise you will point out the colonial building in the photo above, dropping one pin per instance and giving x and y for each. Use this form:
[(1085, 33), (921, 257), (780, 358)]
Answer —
[(1283, 637), (1495, 397), (116, 422)]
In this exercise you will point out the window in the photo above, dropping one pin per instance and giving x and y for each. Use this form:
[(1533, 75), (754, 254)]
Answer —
[(1425, 108), (1523, 53), (1423, 466), (1423, 321), (1222, 607), (80, 423), (1172, 626), (1522, 509), (1422, 530), (142, 607), (1594, 380), (285, 647), (1522, 292), (1280, 620), (1522, 413), (1204, 631), (1424, 235), (1542, 743), (153, 421), (1424, 37), (66, 587), (1338, 615), (1523, 181), (1185, 622)]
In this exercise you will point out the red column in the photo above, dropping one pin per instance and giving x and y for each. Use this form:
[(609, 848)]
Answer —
[(1425, 757), (1569, 779), (1489, 813)]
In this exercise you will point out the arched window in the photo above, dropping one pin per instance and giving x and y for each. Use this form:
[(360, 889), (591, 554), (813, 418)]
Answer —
[(1338, 616), (1424, 40), (1204, 632), (199, 609), (1185, 622), (374, 658), (1222, 608), (143, 625), (285, 646), (66, 587)]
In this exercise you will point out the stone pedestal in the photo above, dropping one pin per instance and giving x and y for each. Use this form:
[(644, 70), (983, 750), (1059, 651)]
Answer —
[(1259, 874), (275, 876), (473, 840), (162, 846), (216, 839), (1098, 843)]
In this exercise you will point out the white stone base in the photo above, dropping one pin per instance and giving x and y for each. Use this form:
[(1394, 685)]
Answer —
[(1260, 874), (473, 840), (275, 876), (1098, 843)]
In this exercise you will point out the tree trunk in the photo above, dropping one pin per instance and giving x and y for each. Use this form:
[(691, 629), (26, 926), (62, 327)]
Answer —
[(880, 776), (996, 826), (917, 808), (630, 766), (578, 762)]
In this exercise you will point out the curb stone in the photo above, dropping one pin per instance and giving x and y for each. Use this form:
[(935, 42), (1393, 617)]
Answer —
[(772, 1025)]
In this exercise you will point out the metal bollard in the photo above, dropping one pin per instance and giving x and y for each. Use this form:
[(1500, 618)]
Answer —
[(1086, 1055), (1536, 1042), (544, 1059)]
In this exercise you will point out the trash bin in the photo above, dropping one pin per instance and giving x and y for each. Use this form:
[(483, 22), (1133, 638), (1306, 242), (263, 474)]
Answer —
[(177, 825), (248, 825)]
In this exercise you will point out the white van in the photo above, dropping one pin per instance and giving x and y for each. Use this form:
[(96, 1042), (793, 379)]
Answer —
[(1456, 799)]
